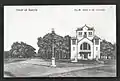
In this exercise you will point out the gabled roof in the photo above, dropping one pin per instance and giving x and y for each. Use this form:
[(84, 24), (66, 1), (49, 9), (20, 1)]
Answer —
[(95, 37), (84, 38), (89, 28)]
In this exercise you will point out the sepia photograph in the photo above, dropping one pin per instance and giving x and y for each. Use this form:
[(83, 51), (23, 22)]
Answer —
[(60, 41)]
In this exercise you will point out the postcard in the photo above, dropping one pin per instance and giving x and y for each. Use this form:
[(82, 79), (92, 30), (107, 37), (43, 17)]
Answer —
[(60, 41)]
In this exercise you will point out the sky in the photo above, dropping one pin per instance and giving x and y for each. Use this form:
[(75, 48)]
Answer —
[(27, 23)]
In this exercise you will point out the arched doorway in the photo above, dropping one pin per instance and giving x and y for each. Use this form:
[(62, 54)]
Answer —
[(85, 50)]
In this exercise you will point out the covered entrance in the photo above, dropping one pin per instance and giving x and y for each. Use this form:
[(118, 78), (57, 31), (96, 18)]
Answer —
[(85, 50), (85, 55)]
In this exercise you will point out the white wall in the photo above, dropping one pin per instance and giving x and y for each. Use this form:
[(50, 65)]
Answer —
[(94, 53), (85, 29), (91, 45), (73, 52), (79, 37), (97, 52), (90, 37)]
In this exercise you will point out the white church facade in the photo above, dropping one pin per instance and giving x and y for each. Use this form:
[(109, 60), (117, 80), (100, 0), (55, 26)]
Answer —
[(85, 45)]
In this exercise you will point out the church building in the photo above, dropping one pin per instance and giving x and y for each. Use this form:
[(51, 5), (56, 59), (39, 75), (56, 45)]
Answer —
[(86, 45)]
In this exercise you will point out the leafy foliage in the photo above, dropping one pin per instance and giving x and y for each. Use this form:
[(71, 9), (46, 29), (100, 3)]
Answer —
[(61, 44), (6, 54), (108, 49), (62, 47), (22, 50)]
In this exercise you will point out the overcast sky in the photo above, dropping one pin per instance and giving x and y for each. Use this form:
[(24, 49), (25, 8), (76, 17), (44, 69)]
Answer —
[(27, 26)]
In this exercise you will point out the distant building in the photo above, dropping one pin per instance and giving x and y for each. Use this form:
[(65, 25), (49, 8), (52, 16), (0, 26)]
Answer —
[(86, 45)]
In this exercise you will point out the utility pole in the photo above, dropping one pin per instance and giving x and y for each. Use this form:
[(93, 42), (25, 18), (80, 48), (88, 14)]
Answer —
[(53, 46)]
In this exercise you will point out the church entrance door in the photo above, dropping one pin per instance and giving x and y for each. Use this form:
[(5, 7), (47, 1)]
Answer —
[(85, 56)]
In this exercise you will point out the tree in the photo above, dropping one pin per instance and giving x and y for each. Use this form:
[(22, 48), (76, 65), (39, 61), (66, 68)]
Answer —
[(6, 54), (62, 46), (66, 46), (107, 49), (22, 50)]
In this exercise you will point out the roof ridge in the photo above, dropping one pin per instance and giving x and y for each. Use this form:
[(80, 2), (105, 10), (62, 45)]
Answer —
[(84, 38), (89, 28), (96, 37)]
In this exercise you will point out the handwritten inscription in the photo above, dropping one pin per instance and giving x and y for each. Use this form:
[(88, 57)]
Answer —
[(89, 9), (29, 9)]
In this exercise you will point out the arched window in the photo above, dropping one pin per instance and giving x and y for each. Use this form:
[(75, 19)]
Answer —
[(85, 46)]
